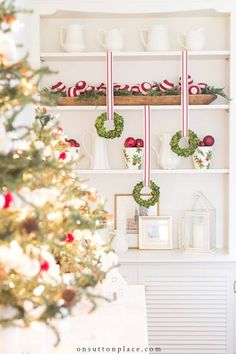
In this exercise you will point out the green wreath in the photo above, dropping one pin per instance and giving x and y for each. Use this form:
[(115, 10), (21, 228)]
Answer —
[(146, 203), (111, 134), (185, 152)]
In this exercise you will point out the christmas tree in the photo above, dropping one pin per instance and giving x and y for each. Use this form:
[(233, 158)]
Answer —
[(51, 256)]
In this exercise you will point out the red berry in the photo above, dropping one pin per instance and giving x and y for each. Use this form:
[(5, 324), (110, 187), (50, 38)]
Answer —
[(201, 143), (130, 142), (139, 143), (62, 155), (69, 238), (8, 200), (209, 140), (44, 266)]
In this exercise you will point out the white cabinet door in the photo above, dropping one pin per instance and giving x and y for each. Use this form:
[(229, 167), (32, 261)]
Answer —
[(189, 311)]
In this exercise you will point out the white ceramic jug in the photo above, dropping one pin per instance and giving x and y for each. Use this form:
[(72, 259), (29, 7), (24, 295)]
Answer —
[(72, 38), (157, 37), (166, 158), (112, 40), (193, 40), (99, 157)]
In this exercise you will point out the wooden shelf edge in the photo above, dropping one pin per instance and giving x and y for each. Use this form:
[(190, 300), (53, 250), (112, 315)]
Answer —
[(134, 172), (175, 256)]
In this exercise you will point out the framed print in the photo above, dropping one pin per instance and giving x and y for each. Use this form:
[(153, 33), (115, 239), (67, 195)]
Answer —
[(127, 213), (155, 232)]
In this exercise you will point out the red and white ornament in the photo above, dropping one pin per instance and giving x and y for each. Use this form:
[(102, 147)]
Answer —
[(90, 88), (202, 85), (166, 85), (190, 80), (125, 87), (102, 87), (116, 86), (155, 87), (145, 87), (72, 92), (81, 86), (135, 89), (58, 87), (194, 89)]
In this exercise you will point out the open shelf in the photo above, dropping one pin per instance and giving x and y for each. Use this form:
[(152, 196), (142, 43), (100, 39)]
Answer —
[(137, 172), (149, 256), (137, 108), (61, 56)]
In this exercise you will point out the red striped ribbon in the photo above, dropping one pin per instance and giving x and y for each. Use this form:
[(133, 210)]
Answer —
[(184, 94), (147, 149), (110, 93)]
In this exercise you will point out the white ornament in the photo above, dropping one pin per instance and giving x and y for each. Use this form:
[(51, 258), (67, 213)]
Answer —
[(8, 49), (5, 141)]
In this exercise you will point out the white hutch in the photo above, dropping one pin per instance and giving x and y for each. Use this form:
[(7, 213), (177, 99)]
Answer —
[(190, 298)]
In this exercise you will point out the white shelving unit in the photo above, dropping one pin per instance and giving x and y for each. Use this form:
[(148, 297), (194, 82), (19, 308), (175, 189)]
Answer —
[(190, 309)]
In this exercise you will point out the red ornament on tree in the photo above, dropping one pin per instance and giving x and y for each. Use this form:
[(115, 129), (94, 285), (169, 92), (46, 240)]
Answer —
[(44, 266), (69, 238), (62, 155), (8, 200)]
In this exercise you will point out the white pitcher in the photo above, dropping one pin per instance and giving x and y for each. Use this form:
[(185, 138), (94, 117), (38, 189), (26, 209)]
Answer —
[(99, 157), (157, 38), (72, 38), (193, 40), (166, 158), (112, 40)]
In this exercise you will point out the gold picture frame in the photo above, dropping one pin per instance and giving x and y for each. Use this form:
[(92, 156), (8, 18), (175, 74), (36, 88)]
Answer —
[(126, 216), (155, 233)]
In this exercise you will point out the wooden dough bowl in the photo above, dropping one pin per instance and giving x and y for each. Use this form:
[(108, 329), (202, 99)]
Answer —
[(137, 100)]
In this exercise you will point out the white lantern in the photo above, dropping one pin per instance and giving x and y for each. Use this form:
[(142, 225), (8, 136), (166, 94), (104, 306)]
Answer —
[(199, 226)]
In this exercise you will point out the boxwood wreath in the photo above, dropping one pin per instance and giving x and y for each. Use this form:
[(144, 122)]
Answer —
[(146, 203), (184, 152), (111, 134)]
